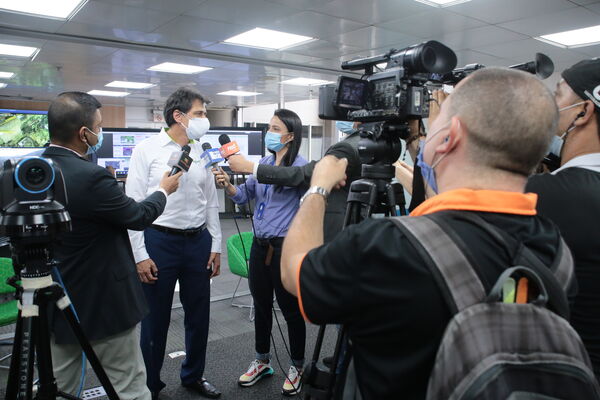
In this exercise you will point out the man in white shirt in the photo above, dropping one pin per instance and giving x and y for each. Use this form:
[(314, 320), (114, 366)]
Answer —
[(183, 244), (570, 196)]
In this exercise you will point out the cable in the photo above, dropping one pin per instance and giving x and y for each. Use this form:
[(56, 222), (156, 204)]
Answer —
[(83, 357)]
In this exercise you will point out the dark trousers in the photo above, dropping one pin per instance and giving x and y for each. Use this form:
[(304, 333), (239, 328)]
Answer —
[(182, 258), (263, 280)]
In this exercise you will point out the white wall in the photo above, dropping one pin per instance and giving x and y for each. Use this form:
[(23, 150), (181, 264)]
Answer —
[(140, 117)]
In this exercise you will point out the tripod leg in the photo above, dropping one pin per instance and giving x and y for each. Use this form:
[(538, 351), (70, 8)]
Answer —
[(91, 355), (47, 383)]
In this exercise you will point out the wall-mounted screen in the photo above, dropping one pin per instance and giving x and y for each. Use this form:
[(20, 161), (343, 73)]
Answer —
[(118, 145), (23, 128)]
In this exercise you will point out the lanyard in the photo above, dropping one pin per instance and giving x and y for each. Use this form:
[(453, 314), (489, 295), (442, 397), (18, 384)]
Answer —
[(261, 207)]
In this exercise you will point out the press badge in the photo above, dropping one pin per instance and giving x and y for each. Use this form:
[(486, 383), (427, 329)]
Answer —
[(260, 210)]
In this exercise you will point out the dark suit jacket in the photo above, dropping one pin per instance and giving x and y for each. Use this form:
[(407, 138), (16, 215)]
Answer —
[(96, 261), (300, 176)]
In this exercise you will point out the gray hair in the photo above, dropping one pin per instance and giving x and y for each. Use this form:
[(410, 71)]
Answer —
[(510, 116)]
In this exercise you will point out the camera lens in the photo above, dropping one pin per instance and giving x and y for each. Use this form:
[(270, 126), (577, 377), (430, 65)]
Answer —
[(35, 175)]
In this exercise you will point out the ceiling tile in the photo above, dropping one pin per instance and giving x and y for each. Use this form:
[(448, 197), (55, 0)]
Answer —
[(302, 4), (20, 21), (433, 22), (177, 7), (497, 11), (193, 32), (525, 50), (374, 11), (257, 13), (323, 49), (113, 16), (477, 37), (374, 37), (573, 18), (312, 24)]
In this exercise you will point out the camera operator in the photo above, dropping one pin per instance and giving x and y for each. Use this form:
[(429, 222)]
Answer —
[(570, 196), (96, 260), (300, 175), (371, 279)]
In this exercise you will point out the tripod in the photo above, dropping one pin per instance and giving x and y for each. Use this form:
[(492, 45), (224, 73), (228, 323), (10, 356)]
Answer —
[(32, 337), (372, 194)]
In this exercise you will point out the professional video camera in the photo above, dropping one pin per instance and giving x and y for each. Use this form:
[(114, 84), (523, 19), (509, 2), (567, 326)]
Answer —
[(33, 216), (542, 66), (32, 199), (395, 94)]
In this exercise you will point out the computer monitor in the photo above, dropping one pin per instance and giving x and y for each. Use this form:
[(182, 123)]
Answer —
[(118, 145), (22, 132)]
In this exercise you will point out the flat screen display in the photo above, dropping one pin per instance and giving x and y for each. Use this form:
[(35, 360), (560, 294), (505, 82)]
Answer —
[(23, 128)]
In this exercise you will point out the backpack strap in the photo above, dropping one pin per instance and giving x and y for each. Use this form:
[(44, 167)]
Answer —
[(558, 278), (451, 269)]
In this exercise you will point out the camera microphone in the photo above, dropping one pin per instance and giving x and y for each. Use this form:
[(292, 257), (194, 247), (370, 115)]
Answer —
[(210, 156), (228, 148), (180, 160)]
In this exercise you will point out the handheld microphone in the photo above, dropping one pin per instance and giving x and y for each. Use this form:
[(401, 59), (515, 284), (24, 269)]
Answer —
[(180, 160), (210, 156), (228, 148)]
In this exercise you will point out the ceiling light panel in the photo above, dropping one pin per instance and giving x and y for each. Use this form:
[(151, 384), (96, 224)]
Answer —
[(574, 38), (17, 51), (238, 93), (130, 85), (268, 39), (6, 75), (59, 9), (306, 82), (442, 3), (178, 68), (108, 93)]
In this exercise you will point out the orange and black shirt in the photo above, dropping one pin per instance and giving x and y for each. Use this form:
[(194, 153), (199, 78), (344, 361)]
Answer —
[(371, 279)]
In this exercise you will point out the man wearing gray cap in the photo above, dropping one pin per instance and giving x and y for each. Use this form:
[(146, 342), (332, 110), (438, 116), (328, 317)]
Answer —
[(570, 195)]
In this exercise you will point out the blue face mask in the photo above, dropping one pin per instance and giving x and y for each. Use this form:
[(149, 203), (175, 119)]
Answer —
[(273, 141), (96, 147), (556, 145), (427, 170), (346, 127)]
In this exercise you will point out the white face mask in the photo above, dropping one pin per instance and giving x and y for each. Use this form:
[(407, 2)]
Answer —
[(197, 127)]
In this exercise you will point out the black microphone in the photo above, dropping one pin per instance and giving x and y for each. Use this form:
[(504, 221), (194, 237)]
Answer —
[(180, 160), (206, 146)]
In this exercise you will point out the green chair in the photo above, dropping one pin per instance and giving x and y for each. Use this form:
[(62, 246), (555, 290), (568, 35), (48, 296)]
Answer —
[(238, 256), (8, 304)]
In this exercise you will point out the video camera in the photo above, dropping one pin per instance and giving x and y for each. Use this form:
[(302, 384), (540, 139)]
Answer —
[(32, 207), (395, 94)]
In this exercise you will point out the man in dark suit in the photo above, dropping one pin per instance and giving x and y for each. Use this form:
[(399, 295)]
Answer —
[(300, 176), (96, 260)]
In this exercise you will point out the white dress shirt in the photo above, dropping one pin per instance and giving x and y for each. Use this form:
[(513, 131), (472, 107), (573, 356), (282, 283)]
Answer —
[(194, 203), (589, 161)]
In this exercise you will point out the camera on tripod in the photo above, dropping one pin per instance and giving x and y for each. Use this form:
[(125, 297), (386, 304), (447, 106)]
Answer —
[(32, 203)]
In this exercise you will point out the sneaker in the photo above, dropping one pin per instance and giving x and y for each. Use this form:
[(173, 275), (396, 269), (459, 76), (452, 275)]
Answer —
[(256, 372), (293, 384)]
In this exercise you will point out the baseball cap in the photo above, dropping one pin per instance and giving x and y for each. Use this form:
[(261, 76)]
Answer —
[(584, 79)]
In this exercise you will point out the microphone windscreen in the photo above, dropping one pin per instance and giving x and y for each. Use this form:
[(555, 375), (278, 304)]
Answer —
[(186, 149), (206, 146), (224, 139)]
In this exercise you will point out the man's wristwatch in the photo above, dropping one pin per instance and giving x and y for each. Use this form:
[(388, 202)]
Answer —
[(315, 190)]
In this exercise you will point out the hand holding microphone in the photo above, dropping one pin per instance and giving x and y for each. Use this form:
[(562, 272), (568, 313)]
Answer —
[(179, 162)]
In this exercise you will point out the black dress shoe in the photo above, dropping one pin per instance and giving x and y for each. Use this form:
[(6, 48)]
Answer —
[(204, 388)]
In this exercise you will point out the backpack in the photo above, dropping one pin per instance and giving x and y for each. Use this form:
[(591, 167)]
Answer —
[(492, 350)]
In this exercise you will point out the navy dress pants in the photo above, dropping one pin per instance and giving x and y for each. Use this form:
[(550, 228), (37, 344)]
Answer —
[(182, 258)]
